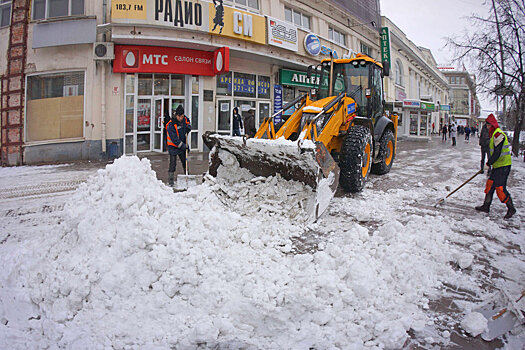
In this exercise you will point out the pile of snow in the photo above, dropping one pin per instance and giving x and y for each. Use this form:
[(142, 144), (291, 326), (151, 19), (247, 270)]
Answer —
[(136, 266), (248, 195)]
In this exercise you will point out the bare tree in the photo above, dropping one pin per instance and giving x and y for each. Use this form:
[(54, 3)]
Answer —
[(496, 49)]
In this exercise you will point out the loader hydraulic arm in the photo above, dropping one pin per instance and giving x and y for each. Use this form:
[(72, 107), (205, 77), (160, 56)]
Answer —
[(267, 126)]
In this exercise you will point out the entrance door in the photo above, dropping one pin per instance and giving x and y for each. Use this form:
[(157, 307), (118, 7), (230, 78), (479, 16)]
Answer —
[(158, 125), (264, 111), (224, 125)]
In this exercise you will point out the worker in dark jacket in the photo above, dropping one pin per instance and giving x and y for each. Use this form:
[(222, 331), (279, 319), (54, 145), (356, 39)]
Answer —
[(484, 140), (237, 122), (249, 123), (500, 160), (177, 131)]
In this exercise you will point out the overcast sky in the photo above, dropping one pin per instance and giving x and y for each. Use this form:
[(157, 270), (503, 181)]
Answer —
[(428, 22)]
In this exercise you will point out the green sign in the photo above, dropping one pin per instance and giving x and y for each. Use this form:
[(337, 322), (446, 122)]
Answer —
[(428, 106), (385, 45), (297, 78)]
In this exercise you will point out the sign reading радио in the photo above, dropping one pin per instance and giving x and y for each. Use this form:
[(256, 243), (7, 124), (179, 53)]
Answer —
[(198, 15)]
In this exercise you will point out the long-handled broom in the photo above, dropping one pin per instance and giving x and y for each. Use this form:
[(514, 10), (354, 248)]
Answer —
[(463, 184), (184, 181)]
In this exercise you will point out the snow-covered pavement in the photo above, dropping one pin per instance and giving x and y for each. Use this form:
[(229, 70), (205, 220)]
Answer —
[(124, 263)]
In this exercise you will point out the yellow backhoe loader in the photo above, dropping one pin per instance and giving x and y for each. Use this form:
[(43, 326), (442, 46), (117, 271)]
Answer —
[(338, 133)]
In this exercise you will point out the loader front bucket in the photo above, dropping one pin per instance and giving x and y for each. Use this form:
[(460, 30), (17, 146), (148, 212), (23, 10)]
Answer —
[(304, 161)]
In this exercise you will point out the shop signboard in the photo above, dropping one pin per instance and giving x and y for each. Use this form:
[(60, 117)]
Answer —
[(156, 59), (235, 23), (198, 15), (400, 95), (411, 103), (385, 45), (244, 84), (187, 14), (282, 34), (297, 78), (277, 102), (444, 107), (427, 106), (313, 46)]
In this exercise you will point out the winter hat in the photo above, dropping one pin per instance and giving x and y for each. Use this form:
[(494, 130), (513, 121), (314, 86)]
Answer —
[(235, 110), (179, 110)]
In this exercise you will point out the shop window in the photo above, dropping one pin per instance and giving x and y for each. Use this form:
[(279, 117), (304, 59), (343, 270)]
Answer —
[(145, 84), (365, 49), (5, 13), (130, 83), (43, 9), (195, 84), (263, 86), (224, 84), (244, 85), (177, 85), (144, 115), (296, 17), (161, 84), (413, 122), (336, 36), (130, 108), (55, 106)]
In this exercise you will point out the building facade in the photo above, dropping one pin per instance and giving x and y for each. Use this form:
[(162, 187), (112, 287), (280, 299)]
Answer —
[(418, 91), (465, 106), (96, 79)]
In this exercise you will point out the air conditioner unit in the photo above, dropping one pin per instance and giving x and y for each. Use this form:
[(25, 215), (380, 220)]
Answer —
[(103, 51)]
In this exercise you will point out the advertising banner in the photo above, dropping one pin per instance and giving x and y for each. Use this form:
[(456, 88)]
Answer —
[(155, 59), (187, 14), (427, 106), (277, 102), (235, 23), (282, 34)]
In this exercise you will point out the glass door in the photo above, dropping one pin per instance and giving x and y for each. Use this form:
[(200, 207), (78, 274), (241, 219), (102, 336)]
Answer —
[(158, 127), (264, 111), (144, 125), (224, 125)]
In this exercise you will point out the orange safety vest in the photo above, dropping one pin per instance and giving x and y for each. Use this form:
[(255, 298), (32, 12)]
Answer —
[(170, 143)]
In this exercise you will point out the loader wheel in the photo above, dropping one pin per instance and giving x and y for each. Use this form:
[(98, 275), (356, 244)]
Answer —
[(386, 153), (355, 159)]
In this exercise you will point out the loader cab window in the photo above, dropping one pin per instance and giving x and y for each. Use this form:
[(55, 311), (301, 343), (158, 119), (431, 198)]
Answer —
[(352, 78), (376, 89)]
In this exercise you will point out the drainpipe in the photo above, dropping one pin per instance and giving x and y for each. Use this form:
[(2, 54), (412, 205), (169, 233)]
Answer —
[(103, 89), (103, 107)]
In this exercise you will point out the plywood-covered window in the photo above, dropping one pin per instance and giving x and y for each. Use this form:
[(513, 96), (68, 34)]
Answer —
[(55, 106)]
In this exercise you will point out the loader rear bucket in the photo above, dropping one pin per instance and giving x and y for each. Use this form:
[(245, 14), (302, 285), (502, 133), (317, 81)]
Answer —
[(307, 162)]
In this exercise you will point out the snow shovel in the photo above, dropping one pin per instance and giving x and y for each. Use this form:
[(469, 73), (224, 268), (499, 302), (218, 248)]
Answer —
[(463, 184), (186, 181), (501, 319)]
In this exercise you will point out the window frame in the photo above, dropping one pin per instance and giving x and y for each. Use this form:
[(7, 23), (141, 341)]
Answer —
[(399, 73), (246, 7), (368, 48), (3, 6), (84, 102), (302, 16), (46, 10), (332, 36)]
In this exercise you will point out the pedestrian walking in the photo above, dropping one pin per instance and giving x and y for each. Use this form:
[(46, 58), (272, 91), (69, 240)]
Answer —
[(501, 161), (249, 123), (177, 130), (237, 122), (484, 140), (467, 133), (433, 128), (444, 133), (449, 129), (453, 133)]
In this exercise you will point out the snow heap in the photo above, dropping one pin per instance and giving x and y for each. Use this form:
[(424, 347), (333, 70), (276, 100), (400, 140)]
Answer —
[(474, 323), (137, 266)]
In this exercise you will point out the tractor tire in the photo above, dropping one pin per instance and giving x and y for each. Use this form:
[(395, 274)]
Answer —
[(387, 153), (355, 159)]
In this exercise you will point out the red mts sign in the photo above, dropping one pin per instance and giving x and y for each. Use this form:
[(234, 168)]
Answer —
[(156, 59)]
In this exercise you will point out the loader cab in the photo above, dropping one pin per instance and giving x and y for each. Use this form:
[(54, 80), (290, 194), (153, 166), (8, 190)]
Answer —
[(360, 78)]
